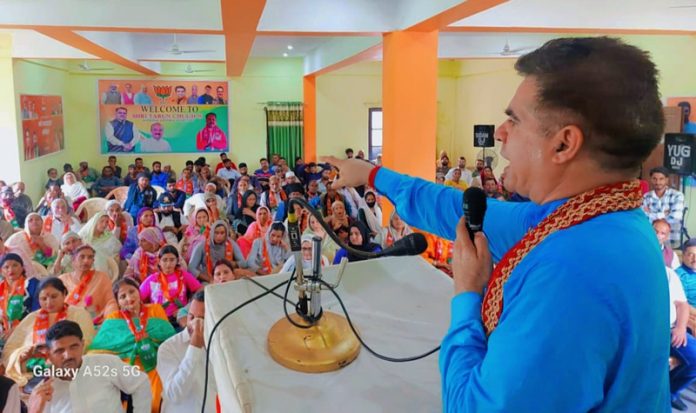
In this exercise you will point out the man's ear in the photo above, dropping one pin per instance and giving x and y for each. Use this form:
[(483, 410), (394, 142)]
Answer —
[(566, 144)]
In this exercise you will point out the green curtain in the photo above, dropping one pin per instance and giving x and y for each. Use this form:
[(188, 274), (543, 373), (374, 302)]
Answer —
[(285, 126)]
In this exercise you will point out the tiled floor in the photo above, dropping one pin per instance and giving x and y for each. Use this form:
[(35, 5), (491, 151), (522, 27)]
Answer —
[(689, 397)]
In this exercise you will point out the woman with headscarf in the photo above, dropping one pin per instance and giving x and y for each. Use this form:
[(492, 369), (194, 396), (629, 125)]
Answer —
[(339, 216), (59, 222), (235, 199), (396, 230), (268, 254), (145, 258), (68, 244), (12, 210), (42, 248), (307, 243), (5, 249), (359, 239), (256, 229), (74, 189), (24, 348), (328, 245), (145, 219), (246, 215), (18, 295), (218, 245), (96, 233), (134, 333), (119, 221), (171, 285)]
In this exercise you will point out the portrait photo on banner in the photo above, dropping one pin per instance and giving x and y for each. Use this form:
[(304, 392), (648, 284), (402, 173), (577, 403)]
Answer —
[(163, 116), (42, 125)]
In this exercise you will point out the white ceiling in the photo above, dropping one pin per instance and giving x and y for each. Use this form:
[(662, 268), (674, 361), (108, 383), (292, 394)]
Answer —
[(322, 32), (591, 14)]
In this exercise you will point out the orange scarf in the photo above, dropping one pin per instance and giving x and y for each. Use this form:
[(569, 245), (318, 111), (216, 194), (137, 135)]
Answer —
[(123, 231), (138, 333), (273, 198), (144, 265), (622, 196), (229, 254), (42, 324), (266, 264), (186, 186), (164, 285), (48, 225), (77, 294)]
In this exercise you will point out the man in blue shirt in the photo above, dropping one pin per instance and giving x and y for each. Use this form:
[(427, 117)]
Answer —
[(575, 317), (140, 195), (158, 177)]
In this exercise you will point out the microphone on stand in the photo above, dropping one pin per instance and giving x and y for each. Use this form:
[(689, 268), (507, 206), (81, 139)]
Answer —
[(474, 206), (295, 236)]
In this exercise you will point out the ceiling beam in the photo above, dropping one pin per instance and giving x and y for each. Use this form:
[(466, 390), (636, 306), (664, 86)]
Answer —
[(562, 30), (371, 53), (240, 18), (81, 43), (454, 14)]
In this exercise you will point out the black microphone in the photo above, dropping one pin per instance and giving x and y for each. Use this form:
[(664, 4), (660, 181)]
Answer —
[(474, 205), (411, 244)]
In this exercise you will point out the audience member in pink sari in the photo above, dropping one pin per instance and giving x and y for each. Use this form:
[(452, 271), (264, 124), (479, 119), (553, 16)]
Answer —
[(257, 229), (171, 285), (144, 260), (196, 231)]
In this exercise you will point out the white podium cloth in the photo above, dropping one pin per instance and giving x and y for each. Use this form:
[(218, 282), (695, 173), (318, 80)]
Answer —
[(400, 306)]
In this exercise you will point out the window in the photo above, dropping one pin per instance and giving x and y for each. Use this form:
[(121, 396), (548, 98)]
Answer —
[(374, 133)]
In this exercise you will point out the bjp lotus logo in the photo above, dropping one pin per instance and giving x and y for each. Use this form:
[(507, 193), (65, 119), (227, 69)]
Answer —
[(163, 92)]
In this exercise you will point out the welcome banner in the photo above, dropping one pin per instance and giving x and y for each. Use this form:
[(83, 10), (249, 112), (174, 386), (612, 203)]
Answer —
[(155, 116), (42, 125)]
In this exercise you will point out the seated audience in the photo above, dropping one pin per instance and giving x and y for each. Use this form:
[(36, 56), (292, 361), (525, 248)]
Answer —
[(255, 230), (170, 285), (117, 169), (68, 244), (169, 220), (144, 219), (19, 293), (88, 288), (225, 271), (140, 195), (60, 221), (97, 393), (53, 192), (396, 230), (274, 196), (268, 254), (196, 231), (662, 230), (24, 348), (106, 183), (145, 258), (683, 344), (185, 183), (665, 202), (490, 187), (53, 178), (289, 265), (234, 200), (359, 239), (176, 195), (246, 215), (328, 245), (42, 248), (456, 181), (74, 190), (687, 271), (97, 234), (328, 199), (20, 197), (86, 174), (131, 176), (134, 332), (181, 365), (339, 217), (12, 210), (158, 177), (217, 245), (119, 221)]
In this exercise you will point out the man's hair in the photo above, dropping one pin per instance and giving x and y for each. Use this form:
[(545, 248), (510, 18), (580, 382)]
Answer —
[(112, 157), (659, 170), (179, 87), (684, 104), (51, 169), (349, 150), (228, 160), (278, 226), (223, 154), (199, 295), (121, 108), (242, 165), (156, 163), (171, 181), (688, 244), (210, 114), (138, 159), (488, 179), (606, 88), (63, 328), (189, 162), (661, 221), (263, 159)]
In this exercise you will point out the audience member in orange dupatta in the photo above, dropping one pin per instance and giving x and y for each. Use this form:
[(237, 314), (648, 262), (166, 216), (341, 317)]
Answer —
[(134, 333), (89, 288)]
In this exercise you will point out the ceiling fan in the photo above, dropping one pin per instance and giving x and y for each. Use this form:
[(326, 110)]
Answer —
[(189, 69), (176, 50), (86, 68), (509, 51)]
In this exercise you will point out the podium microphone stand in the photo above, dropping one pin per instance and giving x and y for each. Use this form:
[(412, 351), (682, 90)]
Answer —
[(316, 341)]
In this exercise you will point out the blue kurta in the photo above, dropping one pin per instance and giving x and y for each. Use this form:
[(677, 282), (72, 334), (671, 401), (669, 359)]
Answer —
[(585, 324)]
